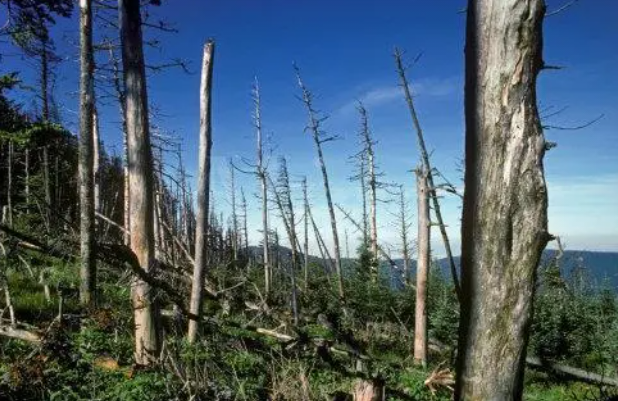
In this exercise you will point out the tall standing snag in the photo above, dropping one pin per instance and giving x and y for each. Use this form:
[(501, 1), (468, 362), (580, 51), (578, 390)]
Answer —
[(504, 225), (422, 268), (146, 314), (203, 191), (261, 173), (317, 133), (429, 171), (86, 156)]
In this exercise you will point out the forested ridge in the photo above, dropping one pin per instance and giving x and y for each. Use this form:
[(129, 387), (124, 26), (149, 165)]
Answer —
[(123, 279)]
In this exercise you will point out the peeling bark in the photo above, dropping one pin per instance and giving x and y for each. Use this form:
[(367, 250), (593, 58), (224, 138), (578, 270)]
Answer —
[(86, 158), (422, 269), (146, 314), (203, 191), (504, 224)]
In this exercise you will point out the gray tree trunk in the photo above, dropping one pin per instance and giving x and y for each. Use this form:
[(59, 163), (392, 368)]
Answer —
[(422, 268), (203, 192), (306, 233), (9, 189), (316, 132), (86, 157), (146, 313), (96, 158), (504, 224), (261, 173), (427, 166)]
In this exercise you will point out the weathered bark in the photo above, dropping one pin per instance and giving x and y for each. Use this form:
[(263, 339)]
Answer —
[(121, 97), (235, 237), (422, 269), (369, 157), (306, 233), (286, 207), (364, 390), (96, 159), (261, 173), (324, 253), (404, 235), (317, 134), (427, 166), (27, 179), (86, 157), (203, 191), (146, 314), (9, 189), (504, 224), (245, 229)]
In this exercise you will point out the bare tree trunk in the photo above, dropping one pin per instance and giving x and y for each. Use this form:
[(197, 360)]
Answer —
[(323, 249), (422, 268), (261, 172), (47, 185), (146, 313), (243, 205), (405, 242), (9, 189), (203, 191), (86, 158), (369, 156), (306, 232), (96, 162), (27, 179), (427, 166), (284, 202), (504, 223), (316, 131), (234, 214), (121, 97)]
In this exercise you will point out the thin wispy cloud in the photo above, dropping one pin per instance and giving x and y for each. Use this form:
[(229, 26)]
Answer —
[(387, 94)]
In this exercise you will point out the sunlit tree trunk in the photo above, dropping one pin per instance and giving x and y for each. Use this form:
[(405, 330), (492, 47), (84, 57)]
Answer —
[(504, 224), (318, 139), (146, 314), (422, 268), (261, 173), (86, 157), (203, 192)]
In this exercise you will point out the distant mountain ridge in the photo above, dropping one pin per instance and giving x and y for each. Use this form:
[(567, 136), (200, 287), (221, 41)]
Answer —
[(601, 267)]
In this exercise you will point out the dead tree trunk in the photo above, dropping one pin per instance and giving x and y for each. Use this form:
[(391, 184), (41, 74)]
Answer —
[(86, 157), (27, 179), (314, 127), (427, 166), (284, 202), (146, 313), (96, 159), (245, 216), (261, 173), (120, 95), (9, 189), (404, 226), (306, 234), (422, 268), (504, 223), (235, 237), (369, 156), (203, 191)]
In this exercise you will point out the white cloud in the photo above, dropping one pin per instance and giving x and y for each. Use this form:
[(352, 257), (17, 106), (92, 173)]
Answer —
[(383, 95)]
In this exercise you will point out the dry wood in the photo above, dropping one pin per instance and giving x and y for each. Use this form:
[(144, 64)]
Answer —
[(504, 223), (147, 325), (86, 158), (203, 192)]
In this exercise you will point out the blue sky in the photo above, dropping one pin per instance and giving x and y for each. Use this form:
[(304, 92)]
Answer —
[(344, 50)]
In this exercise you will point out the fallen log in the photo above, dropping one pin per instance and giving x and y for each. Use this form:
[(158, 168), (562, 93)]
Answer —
[(576, 373), (19, 334)]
